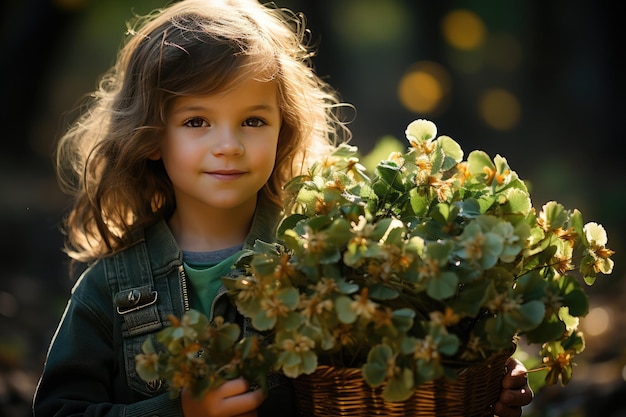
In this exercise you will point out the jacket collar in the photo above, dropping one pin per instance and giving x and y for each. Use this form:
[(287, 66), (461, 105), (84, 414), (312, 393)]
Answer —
[(163, 249), (264, 223)]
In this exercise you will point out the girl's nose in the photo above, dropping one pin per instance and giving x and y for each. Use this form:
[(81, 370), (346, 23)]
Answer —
[(227, 143)]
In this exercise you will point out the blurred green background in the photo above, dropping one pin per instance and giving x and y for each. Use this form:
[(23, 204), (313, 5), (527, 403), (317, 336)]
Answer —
[(540, 82)]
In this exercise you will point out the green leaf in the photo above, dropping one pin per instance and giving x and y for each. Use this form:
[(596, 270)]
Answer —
[(346, 287), (440, 250), (381, 227), (500, 331), (427, 370), (309, 362), (485, 202), (453, 151), (399, 387), (470, 208), (292, 321), (444, 213), (554, 214), (375, 369), (382, 292), (309, 197), (448, 344), (289, 297), (471, 297), (420, 202), (442, 286), (403, 319), (476, 162), (575, 342), (437, 158), (576, 222), (531, 286), (528, 315), (550, 329), (389, 172), (226, 337), (289, 222), (261, 320), (518, 201), (345, 313), (577, 302)]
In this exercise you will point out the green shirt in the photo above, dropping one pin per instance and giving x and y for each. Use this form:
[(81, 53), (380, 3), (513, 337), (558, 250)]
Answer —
[(205, 271)]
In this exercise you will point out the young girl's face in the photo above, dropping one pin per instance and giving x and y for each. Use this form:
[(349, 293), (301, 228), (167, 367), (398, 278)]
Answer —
[(219, 150)]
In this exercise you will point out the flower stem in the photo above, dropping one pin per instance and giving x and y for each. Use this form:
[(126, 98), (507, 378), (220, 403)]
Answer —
[(541, 368)]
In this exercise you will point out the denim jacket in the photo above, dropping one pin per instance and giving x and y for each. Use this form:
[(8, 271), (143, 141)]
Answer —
[(118, 302)]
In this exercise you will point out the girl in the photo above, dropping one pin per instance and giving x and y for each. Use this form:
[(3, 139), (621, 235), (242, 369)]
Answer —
[(177, 164)]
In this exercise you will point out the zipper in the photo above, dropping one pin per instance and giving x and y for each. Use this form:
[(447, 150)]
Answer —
[(183, 286)]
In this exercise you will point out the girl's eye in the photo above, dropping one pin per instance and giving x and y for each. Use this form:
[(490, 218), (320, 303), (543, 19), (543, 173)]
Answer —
[(253, 122), (195, 122)]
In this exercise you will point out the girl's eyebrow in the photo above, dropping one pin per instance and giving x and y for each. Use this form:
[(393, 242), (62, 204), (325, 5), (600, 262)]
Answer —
[(267, 107), (200, 107)]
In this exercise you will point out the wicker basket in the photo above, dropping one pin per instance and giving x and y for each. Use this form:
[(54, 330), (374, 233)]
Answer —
[(335, 392)]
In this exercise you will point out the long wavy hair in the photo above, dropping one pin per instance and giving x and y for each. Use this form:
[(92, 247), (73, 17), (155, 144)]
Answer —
[(192, 47)]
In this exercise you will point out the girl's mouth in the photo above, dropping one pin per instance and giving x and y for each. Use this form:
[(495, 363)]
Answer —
[(226, 174)]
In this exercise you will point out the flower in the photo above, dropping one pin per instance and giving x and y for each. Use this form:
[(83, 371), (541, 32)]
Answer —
[(431, 264)]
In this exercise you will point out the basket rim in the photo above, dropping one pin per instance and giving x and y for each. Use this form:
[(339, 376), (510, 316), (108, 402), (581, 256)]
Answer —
[(342, 391)]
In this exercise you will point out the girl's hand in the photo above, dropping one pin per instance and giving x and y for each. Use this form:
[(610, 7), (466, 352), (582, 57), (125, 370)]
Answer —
[(231, 399), (515, 391)]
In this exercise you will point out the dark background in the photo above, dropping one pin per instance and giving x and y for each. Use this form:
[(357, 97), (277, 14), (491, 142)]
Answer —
[(560, 64)]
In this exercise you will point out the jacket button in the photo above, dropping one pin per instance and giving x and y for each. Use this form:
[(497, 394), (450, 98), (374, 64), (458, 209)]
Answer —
[(133, 296), (154, 385)]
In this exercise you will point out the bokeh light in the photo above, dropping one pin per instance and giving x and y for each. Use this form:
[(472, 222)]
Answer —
[(499, 109), (463, 29), (597, 321), (425, 88)]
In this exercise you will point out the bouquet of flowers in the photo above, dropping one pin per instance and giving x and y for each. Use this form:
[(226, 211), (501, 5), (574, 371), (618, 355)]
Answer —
[(431, 264)]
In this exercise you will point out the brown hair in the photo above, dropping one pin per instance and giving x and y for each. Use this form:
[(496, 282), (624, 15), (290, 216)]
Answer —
[(191, 47)]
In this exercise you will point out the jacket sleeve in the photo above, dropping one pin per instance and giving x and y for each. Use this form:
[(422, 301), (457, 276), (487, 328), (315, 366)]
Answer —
[(83, 374)]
